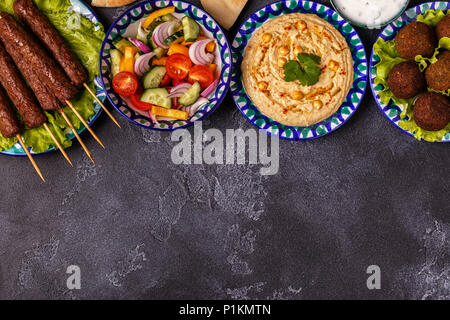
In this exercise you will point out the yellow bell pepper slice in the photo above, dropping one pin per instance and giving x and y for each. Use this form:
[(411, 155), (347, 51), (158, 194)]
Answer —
[(155, 15), (127, 62), (211, 47), (213, 67), (159, 62), (178, 48), (170, 113), (133, 50), (179, 40)]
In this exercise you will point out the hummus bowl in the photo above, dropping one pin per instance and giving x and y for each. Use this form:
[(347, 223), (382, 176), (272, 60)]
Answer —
[(210, 28), (305, 123)]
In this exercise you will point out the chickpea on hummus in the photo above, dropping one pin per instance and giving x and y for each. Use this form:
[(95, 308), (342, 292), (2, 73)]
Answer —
[(282, 40)]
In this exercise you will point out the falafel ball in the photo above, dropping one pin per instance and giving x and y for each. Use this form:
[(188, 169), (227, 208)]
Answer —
[(438, 74), (415, 39), (443, 27), (406, 81), (432, 111)]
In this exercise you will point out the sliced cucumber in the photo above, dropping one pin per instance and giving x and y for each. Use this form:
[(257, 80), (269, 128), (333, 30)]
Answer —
[(157, 97), (116, 57), (121, 43), (143, 35), (160, 52), (174, 37), (191, 96), (191, 29), (151, 42), (168, 17), (154, 77)]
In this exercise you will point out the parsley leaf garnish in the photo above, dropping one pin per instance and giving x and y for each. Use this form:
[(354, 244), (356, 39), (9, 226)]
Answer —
[(305, 69)]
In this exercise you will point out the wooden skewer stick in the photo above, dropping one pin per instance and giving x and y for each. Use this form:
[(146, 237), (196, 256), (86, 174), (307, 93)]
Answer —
[(84, 123), (101, 104), (66, 118), (58, 144), (19, 137)]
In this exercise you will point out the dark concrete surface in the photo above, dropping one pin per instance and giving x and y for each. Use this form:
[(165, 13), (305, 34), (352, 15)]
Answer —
[(141, 227)]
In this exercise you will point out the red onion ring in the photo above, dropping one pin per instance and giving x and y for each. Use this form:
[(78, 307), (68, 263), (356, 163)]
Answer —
[(179, 90), (163, 31), (142, 64), (153, 118), (140, 45), (192, 109), (208, 91), (198, 54)]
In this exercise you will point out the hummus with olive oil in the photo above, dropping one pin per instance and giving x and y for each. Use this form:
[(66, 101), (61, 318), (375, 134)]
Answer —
[(281, 40)]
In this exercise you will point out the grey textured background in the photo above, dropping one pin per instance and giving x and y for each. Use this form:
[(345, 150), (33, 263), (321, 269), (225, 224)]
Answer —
[(141, 227)]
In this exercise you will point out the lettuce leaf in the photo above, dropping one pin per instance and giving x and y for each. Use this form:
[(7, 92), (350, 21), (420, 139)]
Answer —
[(432, 17), (5, 143), (444, 44), (7, 6), (389, 57), (85, 41)]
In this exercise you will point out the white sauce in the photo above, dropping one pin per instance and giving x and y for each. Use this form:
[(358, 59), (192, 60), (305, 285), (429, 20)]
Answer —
[(371, 13)]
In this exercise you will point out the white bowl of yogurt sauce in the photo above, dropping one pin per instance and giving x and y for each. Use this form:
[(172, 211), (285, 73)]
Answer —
[(370, 14)]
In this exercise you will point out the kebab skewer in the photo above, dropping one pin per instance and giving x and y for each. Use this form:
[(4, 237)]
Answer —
[(20, 44), (9, 124), (10, 127), (30, 14), (23, 98)]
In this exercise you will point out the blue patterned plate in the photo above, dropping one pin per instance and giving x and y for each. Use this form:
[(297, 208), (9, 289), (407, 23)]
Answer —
[(392, 111), (354, 98), (210, 28), (78, 7)]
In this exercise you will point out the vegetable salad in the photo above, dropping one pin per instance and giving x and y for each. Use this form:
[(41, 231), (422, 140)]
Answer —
[(163, 66)]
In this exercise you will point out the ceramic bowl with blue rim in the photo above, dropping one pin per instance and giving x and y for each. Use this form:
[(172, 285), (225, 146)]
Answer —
[(210, 28), (354, 98), (392, 111), (81, 8)]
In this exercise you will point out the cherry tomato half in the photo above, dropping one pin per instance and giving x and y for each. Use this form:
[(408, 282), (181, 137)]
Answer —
[(125, 84), (178, 66), (166, 81), (202, 75), (139, 91), (140, 105)]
